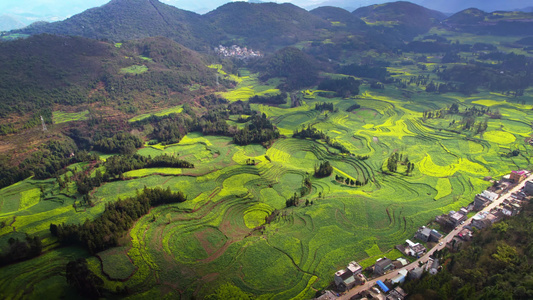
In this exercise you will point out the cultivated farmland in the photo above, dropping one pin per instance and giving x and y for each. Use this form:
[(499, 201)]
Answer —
[(235, 227)]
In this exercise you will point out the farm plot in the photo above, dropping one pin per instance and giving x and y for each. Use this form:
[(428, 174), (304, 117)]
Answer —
[(59, 117)]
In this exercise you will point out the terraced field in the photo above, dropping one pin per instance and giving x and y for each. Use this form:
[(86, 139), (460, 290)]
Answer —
[(219, 235)]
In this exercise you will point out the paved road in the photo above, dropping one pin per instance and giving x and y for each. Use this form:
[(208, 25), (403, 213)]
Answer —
[(425, 258)]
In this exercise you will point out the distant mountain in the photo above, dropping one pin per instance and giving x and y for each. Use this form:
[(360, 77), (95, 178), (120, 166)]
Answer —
[(43, 70), (452, 6), (265, 25), (468, 16), (476, 21), (121, 20), (406, 18), (527, 9), (336, 14), (9, 23)]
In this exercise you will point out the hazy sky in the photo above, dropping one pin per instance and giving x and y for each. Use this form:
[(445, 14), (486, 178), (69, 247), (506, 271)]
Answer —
[(28, 11)]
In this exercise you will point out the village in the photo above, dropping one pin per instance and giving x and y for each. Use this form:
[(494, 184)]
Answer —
[(503, 199), (237, 52)]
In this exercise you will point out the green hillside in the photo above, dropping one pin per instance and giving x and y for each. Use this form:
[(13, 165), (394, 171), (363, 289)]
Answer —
[(265, 25), (121, 20), (407, 18), (45, 70), (495, 23)]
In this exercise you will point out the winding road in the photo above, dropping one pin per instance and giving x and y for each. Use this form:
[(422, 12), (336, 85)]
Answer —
[(356, 290)]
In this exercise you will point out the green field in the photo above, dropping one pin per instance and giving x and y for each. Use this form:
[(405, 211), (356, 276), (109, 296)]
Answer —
[(134, 70), (173, 110), (63, 117), (219, 236)]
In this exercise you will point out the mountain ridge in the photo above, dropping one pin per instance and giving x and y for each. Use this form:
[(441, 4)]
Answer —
[(121, 20)]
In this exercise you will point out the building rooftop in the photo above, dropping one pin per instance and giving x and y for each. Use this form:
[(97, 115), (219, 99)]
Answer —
[(457, 216), (489, 195), (343, 274), (403, 261), (354, 267), (425, 231), (383, 262)]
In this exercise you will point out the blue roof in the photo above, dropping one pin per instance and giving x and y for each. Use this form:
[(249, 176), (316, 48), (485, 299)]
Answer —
[(383, 287)]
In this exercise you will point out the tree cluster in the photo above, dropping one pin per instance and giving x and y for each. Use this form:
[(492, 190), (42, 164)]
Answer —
[(349, 181), (19, 250), (121, 142), (47, 162), (84, 280), (270, 100), (398, 158), (344, 87), (322, 106), (353, 107), (260, 130), (105, 231), (315, 134), (323, 170), (117, 165)]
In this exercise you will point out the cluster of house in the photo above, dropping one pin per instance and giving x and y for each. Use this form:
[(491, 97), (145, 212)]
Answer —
[(395, 294), (416, 249), (352, 275), (237, 52)]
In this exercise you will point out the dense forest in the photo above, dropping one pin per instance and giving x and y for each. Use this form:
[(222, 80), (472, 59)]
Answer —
[(298, 68)]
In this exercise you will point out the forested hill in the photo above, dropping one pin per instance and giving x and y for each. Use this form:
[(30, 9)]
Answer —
[(263, 26), (266, 24), (407, 18), (121, 20), (46, 69), (343, 17), (496, 23)]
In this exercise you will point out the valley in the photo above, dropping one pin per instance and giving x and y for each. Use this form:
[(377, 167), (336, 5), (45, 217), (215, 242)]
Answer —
[(260, 219)]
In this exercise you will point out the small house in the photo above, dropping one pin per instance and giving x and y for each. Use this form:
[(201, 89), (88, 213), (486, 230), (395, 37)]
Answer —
[(518, 176), (397, 294), (456, 218), (328, 295), (528, 188), (414, 249), (480, 202), (345, 279), (480, 221), (400, 278), (423, 234), (434, 236), (382, 265), (433, 269), (415, 273)]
